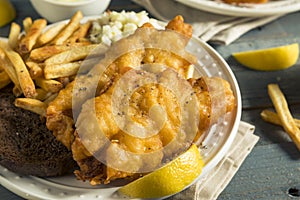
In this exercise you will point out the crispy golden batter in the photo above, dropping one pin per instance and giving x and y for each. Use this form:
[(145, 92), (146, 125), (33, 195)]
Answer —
[(140, 103), (212, 91), (178, 25), (102, 129), (59, 112)]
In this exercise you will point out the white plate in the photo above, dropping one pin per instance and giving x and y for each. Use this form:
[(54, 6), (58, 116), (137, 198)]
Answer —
[(273, 7), (217, 143)]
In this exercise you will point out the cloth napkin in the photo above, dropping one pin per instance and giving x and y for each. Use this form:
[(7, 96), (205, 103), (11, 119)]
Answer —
[(210, 187), (209, 27)]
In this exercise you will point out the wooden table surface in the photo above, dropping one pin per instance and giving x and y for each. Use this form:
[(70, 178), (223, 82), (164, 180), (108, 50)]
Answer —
[(273, 167)]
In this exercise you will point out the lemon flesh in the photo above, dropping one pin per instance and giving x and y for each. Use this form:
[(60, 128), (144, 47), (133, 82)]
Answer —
[(168, 180), (270, 59), (7, 12)]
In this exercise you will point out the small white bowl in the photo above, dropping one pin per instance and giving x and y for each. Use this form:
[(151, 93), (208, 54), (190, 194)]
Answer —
[(57, 10)]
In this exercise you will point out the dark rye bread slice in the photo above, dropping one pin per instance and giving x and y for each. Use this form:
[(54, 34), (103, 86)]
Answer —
[(27, 147)]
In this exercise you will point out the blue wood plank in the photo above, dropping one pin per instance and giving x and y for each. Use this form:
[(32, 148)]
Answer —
[(267, 173)]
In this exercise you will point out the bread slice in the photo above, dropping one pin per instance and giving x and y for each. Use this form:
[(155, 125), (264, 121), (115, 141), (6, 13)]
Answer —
[(27, 147)]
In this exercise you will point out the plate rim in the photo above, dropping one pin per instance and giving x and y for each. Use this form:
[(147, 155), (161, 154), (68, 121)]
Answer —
[(231, 10), (237, 120)]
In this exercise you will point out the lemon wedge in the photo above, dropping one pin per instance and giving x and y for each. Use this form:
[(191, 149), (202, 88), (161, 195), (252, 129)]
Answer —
[(168, 180), (7, 12), (269, 59)]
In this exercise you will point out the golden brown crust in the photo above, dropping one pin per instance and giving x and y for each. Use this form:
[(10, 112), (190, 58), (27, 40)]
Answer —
[(147, 47), (177, 24)]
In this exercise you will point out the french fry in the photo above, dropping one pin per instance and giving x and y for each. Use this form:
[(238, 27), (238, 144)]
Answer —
[(42, 94), (35, 70), (61, 70), (50, 34), (9, 69), (52, 86), (26, 83), (4, 79), (284, 114), (71, 55), (64, 80), (72, 26), (272, 117), (87, 65), (27, 22), (42, 53), (17, 91), (80, 33), (83, 41), (30, 39), (32, 105), (33, 59), (50, 98), (13, 37)]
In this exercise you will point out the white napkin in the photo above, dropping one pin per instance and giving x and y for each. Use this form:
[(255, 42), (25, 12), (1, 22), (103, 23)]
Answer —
[(207, 26), (218, 178)]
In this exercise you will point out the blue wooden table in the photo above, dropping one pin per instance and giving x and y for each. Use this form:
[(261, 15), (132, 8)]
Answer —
[(273, 167)]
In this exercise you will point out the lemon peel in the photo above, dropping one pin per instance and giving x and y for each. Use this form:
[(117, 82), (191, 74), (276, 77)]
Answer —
[(269, 59), (7, 12), (168, 180)]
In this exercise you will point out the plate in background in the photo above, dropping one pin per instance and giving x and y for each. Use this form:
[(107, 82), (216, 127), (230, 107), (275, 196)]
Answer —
[(254, 10)]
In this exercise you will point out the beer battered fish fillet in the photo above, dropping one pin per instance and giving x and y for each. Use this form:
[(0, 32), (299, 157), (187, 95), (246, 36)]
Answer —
[(104, 134), (59, 112), (91, 123)]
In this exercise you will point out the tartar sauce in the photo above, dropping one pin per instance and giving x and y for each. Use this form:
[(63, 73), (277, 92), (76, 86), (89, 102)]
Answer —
[(112, 26)]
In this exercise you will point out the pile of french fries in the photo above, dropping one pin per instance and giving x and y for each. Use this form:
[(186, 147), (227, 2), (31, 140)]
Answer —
[(282, 116), (41, 60)]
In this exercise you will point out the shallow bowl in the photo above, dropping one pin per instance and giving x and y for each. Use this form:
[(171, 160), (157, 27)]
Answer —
[(57, 10)]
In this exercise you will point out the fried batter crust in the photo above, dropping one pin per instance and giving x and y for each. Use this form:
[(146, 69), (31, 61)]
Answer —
[(60, 117), (141, 101), (59, 112)]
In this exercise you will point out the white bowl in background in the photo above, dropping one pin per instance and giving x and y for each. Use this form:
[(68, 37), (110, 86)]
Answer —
[(57, 10)]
